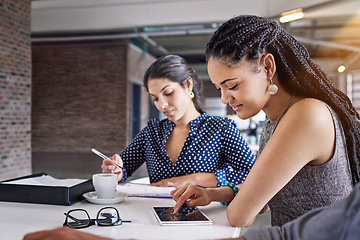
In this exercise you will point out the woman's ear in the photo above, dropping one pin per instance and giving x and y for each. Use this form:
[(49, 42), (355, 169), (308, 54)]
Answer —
[(188, 83), (269, 65)]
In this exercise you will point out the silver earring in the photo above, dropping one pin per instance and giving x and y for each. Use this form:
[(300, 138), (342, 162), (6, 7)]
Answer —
[(273, 89)]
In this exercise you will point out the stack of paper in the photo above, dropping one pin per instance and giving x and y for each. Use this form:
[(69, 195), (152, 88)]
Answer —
[(144, 190)]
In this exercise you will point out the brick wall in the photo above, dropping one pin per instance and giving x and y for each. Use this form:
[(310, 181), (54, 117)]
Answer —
[(82, 99), (15, 89), (79, 97)]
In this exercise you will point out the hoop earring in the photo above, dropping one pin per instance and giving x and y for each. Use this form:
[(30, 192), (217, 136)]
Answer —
[(191, 94), (273, 89)]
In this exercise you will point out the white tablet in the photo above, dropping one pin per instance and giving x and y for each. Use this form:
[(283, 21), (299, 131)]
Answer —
[(185, 216)]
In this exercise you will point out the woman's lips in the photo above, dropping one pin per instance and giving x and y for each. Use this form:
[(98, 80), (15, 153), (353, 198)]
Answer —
[(236, 107), (168, 112)]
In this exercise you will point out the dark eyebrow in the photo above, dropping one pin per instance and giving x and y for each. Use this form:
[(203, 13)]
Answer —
[(226, 80), (164, 88), (160, 90)]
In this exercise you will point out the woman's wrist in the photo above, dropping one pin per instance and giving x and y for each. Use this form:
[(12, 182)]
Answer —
[(122, 176), (221, 194), (233, 187), (207, 180)]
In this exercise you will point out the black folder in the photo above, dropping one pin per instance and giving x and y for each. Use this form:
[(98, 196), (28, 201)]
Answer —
[(56, 195)]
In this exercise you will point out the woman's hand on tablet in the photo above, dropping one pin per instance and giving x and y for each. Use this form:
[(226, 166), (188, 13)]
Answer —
[(191, 195)]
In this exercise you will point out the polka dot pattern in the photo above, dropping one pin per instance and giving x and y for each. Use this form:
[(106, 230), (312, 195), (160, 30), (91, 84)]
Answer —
[(214, 144)]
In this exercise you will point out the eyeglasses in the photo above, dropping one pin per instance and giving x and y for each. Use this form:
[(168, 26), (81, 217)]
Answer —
[(79, 218)]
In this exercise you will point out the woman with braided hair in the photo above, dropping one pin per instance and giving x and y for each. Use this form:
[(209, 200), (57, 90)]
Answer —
[(309, 149)]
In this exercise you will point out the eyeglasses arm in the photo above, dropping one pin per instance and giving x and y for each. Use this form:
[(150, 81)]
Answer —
[(78, 220)]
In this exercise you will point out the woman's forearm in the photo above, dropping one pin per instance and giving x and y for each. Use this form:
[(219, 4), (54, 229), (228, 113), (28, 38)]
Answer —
[(204, 179), (221, 194)]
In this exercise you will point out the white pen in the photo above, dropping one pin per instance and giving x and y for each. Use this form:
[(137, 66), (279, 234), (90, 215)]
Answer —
[(104, 157)]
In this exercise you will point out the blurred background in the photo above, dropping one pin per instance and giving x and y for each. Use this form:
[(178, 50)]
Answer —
[(71, 70)]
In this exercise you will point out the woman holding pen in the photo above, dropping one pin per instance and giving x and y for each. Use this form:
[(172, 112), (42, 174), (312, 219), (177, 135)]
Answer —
[(189, 146), (309, 149)]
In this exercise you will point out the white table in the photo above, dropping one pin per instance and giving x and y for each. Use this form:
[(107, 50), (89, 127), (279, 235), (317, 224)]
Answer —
[(17, 219)]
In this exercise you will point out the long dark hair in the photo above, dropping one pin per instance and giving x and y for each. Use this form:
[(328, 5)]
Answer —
[(250, 36), (175, 69)]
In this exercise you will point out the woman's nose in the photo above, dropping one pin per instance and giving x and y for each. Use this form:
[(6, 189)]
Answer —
[(224, 98), (164, 105)]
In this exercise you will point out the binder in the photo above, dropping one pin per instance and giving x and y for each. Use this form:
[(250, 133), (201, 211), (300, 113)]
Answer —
[(55, 195)]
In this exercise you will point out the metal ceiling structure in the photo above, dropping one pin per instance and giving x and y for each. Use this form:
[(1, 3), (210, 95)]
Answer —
[(330, 29)]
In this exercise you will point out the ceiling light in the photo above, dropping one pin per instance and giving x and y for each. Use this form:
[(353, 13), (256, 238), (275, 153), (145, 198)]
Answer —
[(291, 15), (341, 68)]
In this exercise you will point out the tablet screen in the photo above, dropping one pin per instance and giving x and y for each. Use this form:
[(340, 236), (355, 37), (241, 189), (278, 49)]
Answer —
[(188, 216)]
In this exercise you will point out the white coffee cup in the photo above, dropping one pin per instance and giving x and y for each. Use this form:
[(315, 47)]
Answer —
[(105, 184)]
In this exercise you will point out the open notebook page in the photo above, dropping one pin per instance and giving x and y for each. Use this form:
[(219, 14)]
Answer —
[(46, 180)]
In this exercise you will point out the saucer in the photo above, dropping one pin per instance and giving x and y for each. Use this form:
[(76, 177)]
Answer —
[(92, 197)]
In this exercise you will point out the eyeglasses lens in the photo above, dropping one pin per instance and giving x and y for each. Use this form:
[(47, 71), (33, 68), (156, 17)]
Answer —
[(108, 217), (78, 219)]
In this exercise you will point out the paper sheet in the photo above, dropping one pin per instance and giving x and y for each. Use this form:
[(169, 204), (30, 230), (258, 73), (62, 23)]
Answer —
[(144, 190), (46, 180)]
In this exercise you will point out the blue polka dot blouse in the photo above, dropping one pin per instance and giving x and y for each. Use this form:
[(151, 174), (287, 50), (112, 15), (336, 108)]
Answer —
[(214, 144)]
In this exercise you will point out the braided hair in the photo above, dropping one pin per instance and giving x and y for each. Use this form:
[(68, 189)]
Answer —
[(175, 69), (248, 37)]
